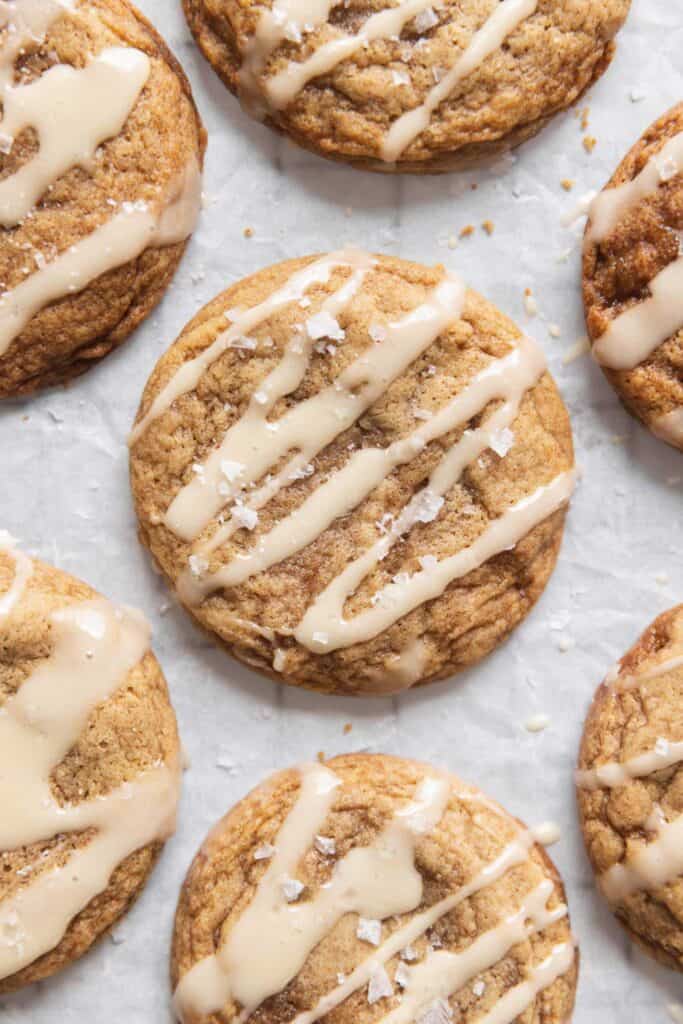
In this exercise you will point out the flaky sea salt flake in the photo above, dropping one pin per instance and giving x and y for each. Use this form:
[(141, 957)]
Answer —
[(369, 930)]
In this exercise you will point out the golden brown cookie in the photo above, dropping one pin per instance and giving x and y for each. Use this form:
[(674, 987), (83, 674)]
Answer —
[(370, 888), (633, 278), (89, 766), (630, 789), (412, 86), (101, 149), (353, 471)]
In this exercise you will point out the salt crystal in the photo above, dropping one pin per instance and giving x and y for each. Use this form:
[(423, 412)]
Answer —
[(380, 987), (430, 505), (246, 517), (292, 889), (198, 565), (408, 954), (244, 342), (369, 930), (478, 988), (502, 441), (402, 976), (428, 562), (439, 1012), (425, 20), (378, 332), (323, 325), (325, 845), (231, 470), (264, 852), (662, 747), (400, 78)]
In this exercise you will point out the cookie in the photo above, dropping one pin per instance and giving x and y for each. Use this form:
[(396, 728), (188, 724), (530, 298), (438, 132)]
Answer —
[(633, 279), (630, 789), (100, 183), (89, 766), (353, 471), (415, 86), (371, 888)]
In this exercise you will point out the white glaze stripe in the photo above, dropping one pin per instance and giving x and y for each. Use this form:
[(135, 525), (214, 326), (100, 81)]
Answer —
[(323, 627), (509, 378), (648, 865), (441, 974), (73, 111), (190, 373), (516, 852), (271, 941), (506, 17), (670, 427), (94, 649), (283, 87), (634, 335), (312, 424), (619, 773), (609, 206), (628, 682)]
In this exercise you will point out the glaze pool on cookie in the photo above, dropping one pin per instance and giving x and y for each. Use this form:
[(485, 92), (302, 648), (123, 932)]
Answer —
[(371, 884), (412, 85), (633, 278), (332, 438), (112, 177), (89, 766), (628, 786)]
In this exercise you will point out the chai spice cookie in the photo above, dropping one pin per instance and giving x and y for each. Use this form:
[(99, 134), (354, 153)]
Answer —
[(371, 889), (101, 149), (410, 86), (89, 766), (353, 471), (633, 278), (630, 789)]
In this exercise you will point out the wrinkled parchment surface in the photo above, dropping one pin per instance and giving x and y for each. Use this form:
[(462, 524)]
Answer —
[(65, 494)]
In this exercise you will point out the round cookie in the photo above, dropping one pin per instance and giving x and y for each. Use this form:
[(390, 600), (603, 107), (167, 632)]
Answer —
[(89, 766), (371, 888), (353, 471), (633, 278), (630, 789), (413, 86), (100, 183)]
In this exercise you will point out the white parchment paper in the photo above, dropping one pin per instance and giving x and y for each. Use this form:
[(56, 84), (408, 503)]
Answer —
[(65, 494)]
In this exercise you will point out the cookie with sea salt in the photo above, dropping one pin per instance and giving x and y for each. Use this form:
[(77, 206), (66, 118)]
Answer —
[(101, 149), (633, 278), (89, 766), (371, 889), (415, 85), (630, 789), (353, 471)]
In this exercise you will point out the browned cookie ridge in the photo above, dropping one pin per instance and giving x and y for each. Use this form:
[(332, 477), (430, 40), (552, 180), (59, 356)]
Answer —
[(633, 278), (354, 472), (630, 789), (371, 890), (89, 766), (414, 86), (100, 183)]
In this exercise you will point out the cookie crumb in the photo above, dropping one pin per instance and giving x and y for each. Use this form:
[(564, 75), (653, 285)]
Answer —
[(589, 143), (248, 232), (467, 231), (567, 184), (488, 226), (347, 728)]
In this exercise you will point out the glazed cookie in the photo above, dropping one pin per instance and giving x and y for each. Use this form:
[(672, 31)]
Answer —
[(630, 789), (89, 766), (353, 471), (100, 182), (371, 889), (633, 279), (410, 86)]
